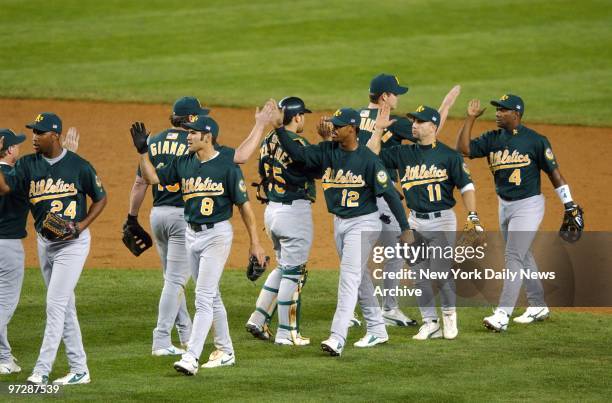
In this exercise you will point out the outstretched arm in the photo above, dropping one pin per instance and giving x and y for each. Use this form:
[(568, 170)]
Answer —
[(4, 187), (71, 140), (248, 217), (447, 103), (149, 174), (250, 144), (465, 133)]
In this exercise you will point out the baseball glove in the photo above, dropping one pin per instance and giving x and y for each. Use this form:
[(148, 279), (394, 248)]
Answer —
[(135, 238), (573, 223), (55, 228), (473, 232), (254, 269)]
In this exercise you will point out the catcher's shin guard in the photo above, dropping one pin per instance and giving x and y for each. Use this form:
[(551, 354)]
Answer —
[(266, 302), (289, 301)]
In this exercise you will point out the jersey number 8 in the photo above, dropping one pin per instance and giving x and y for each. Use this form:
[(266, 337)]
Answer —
[(207, 206), (57, 206)]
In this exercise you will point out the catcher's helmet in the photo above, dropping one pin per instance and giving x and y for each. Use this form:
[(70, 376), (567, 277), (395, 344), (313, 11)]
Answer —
[(293, 106)]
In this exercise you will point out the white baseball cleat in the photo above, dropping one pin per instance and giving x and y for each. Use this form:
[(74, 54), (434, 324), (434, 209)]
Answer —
[(370, 340), (294, 341), (429, 330), (220, 358), (395, 317), (73, 379), (172, 350), (533, 314), (332, 346), (10, 367), (188, 365), (498, 322), (37, 379), (259, 332), (355, 322), (449, 319)]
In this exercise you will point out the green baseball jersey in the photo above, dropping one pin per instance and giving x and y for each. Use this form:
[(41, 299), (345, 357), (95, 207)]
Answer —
[(13, 211), (60, 188), (428, 174), (209, 188), (351, 180), (163, 148), (400, 130), (285, 179), (515, 159)]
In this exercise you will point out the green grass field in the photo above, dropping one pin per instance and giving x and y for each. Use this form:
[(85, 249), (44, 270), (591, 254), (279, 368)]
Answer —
[(565, 359), (556, 54)]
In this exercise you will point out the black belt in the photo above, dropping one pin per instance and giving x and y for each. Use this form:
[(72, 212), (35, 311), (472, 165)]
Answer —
[(200, 227), (427, 216), (511, 199)]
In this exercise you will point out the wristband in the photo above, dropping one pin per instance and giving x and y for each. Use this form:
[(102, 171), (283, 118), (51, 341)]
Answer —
[(564, 194)]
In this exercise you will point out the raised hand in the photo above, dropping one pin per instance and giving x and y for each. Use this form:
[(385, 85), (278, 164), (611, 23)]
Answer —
[(1, 142), (324, 128), (71, 140), (474, 110), (263, 116), (382, 119), (451, 97), (277, 115), (139, 137)]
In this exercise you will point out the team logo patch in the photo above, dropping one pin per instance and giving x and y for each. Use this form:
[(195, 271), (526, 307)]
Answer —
[(549, 154), (421, 108), (365, 114), (466, 169), (172, 136), (39, 118), (337, 113), (242, 186), (193, 118), (381, 177), (98, 182), (504, 97)]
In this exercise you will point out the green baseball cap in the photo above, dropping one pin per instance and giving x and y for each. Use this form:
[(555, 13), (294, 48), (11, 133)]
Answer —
[(10, 138), (46, 122), (426, 114), (345, 117), (202, 123), (386, 83), (188, 106), (511, 102)]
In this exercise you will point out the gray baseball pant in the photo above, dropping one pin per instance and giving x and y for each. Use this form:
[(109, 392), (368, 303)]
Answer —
[(519, 222), (11, 279), (389, 236), (355, 238), (168, 226), (61, 264)]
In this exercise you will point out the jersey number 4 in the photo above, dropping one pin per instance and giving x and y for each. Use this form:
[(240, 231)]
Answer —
[(515, 177), (57, 206)]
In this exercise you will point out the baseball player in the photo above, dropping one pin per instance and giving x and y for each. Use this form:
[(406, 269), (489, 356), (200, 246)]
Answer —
[(429, 172), (211, 184), (289, 191), (57, 181), (385, 91), (168, 223), (516, 155), (352, 177), (13, 216)]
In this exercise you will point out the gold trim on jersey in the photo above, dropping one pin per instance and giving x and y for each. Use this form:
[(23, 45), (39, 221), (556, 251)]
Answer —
[(504, 160), (195, 187), (201, 194), (421, 174), (341, 179), (48, 189)]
